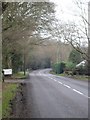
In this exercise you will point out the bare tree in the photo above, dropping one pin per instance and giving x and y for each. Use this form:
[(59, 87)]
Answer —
[(24, 20), (76, 33)]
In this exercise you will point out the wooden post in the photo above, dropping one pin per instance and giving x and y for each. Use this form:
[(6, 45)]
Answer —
[(3, 76)]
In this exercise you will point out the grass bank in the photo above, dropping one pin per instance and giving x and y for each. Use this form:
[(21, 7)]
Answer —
[(0, 100), (20, 75), (78, 77), (9, 92)]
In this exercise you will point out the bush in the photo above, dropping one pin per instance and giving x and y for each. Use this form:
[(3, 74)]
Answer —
[(81, 70), (59, 67), (70, 66), (75, 56)]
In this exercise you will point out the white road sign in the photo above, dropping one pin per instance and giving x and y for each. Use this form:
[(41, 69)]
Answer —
[(7, 71)]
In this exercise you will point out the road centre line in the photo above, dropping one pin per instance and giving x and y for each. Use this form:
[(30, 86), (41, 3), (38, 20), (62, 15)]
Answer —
[(55, 80), (70, 87), (78, 91), (67, 86), (59, 82), (52, 79), (81, 93), (86, 96)]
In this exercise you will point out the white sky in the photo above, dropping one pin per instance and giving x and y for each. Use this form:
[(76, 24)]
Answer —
[(67, 9)]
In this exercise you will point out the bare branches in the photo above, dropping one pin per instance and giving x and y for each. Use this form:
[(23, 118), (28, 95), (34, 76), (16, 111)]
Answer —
[(4, 6)]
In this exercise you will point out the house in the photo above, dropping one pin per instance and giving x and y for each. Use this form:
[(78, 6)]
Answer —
[(83, 63)]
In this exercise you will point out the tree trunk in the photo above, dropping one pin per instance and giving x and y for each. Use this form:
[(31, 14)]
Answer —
[(24, 65), (89, 58), (89, 39)]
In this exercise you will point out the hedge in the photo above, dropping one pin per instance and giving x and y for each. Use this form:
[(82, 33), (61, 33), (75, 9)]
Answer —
[(58, 68)]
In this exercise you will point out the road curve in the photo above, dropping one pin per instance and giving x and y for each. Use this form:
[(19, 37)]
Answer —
[(51, 96)]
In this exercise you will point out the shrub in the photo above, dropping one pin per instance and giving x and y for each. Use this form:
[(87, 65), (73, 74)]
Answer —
[(59, 67), (75, 56), (81, 70), (70, 66)]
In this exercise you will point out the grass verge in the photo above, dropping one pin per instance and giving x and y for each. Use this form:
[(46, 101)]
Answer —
[(78, 77), (9, 91), (20, 75), (0, 100)]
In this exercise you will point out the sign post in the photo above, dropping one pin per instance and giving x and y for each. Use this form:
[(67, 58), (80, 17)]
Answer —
[(6, 72), (3, 76)]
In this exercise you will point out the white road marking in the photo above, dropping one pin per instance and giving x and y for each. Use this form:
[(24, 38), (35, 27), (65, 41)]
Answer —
[(70, 87), (55, 80), (59, 82), (78, 91), (51, 78), (86, 96), (81, 93), (67, 86)]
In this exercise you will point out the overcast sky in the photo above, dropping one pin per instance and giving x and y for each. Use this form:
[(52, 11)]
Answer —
[(67, 9)]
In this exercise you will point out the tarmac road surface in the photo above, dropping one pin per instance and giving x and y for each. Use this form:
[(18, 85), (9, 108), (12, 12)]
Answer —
[(51, 96)]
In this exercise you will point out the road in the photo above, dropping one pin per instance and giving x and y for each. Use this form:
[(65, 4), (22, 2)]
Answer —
[(51, 96)]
